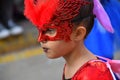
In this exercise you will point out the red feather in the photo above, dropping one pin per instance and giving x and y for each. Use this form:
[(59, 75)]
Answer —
[(41, 12)]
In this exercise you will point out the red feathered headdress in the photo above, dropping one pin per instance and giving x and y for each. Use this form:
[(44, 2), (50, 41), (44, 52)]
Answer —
[(53, 14)]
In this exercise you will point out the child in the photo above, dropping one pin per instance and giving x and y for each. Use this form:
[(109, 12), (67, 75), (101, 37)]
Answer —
[(63, 25)]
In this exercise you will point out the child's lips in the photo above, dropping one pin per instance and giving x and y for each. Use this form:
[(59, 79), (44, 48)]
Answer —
[(45, 49)]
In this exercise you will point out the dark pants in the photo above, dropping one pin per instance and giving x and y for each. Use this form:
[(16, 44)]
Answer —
[(6, 10)]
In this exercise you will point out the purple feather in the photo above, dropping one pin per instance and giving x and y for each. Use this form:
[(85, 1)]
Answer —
[(102, 16)]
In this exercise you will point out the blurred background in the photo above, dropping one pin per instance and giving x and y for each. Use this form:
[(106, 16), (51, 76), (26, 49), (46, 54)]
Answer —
[(21, 57)]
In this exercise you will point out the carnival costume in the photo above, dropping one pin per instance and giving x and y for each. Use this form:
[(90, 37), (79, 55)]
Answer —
[(59, 14)]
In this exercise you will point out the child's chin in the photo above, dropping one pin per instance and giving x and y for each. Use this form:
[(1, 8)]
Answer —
[(52, 57)]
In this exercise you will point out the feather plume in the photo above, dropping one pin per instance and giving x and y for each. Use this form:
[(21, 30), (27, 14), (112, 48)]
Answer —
[(41, 11)]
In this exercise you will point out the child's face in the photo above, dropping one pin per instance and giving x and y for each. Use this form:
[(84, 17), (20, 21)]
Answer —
[(57, 48)]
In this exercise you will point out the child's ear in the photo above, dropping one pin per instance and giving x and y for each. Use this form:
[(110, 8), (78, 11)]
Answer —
[(79, 33)]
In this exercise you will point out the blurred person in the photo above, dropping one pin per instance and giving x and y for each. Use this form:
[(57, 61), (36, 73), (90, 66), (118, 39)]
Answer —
[(106, 46), (7, 25), (18, 10), (63, 26)]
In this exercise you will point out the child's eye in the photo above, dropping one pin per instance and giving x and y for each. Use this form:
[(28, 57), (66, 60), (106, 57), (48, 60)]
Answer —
[(50, 32)]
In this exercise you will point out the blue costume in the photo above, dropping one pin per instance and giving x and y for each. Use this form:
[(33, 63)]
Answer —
[(101, 42)]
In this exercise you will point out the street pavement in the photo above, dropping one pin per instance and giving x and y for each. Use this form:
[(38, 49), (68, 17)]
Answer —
[(33, 68)]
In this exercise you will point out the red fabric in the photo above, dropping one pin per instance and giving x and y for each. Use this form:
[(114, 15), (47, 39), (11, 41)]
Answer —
[(93, 70), (44, 13)]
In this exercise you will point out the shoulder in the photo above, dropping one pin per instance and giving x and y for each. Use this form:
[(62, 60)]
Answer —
[(94, 70), (98, 65)]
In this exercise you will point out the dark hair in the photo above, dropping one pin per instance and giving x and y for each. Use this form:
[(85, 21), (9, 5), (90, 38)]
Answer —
[(85, 17)]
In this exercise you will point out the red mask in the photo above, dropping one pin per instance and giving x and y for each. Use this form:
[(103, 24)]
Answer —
[(63, 32), (53, 14)]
